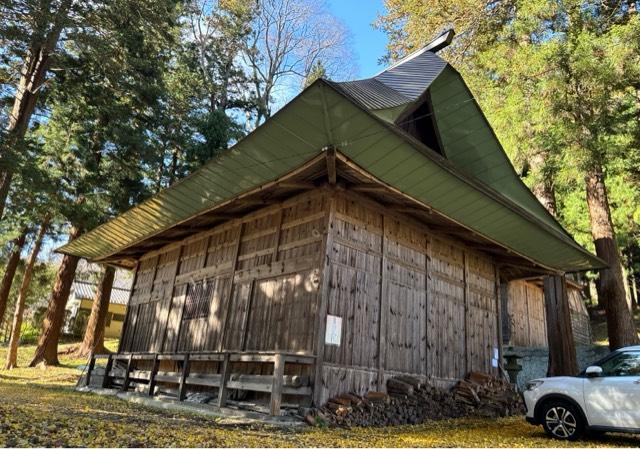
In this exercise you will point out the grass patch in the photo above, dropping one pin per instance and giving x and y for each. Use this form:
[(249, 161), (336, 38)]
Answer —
[(38, 407)]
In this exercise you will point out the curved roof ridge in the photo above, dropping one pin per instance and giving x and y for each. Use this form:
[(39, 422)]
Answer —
[(401, 83)]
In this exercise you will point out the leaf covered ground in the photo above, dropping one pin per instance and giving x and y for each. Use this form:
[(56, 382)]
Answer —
[(39, 408)]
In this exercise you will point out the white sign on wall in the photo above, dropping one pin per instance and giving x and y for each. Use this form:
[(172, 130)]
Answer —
[(496, 358), (334, 330)]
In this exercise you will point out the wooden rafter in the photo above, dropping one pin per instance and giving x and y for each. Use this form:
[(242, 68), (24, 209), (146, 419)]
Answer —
[(332, 173), (367, 187), (297, 185)]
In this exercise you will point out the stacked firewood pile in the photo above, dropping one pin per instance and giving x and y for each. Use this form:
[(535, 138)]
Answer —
[(411, 401), (483, 395)]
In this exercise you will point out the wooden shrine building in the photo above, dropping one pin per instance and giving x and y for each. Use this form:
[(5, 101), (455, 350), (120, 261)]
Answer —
[(362, 231), (524, 320)]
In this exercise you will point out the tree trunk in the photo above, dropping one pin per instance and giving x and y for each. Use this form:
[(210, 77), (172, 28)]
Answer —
[(47, 349), (560, 341), (32, 76), (94, 334), (562, 348), (10, 271), (620, 326), (5, 184), (543, 188), (632, 291), (12, 353), (634, 288)]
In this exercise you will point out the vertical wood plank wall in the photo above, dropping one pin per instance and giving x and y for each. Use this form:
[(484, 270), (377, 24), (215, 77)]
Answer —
[(263, 275), (527, 320), (410, 302), (526, 314), (580, 321)]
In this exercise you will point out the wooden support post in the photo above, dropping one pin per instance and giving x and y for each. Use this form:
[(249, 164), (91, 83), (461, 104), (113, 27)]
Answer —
[(562, 349), (152, 376), (224, 378), (92, 363), (106, 380), (498, 290), (467, 356), (227, 300), (325, 264), (504, 312), (427, 292), (179, 329), (384, 310), (168, 298), (276, 386), (182, 391), (125, 382), (124, 333)]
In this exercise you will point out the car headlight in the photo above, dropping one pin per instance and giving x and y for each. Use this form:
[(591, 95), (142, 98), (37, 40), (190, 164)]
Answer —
[(533, 384)]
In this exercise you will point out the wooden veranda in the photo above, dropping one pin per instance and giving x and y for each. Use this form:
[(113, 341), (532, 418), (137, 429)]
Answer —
[(123, 370)]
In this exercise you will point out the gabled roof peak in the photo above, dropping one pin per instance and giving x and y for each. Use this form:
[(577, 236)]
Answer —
[(443, 40), (403, 82)]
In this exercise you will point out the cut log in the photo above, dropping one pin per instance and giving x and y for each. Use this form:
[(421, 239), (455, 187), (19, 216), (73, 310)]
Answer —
[(399, 386)]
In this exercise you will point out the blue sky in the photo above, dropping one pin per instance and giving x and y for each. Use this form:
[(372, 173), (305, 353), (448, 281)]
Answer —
[(369, 44)]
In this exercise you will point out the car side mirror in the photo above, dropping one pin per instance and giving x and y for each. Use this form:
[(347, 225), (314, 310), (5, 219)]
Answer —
[(593, 371)]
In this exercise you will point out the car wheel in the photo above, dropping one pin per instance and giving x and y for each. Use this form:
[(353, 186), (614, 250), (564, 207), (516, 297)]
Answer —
[(562, 420)]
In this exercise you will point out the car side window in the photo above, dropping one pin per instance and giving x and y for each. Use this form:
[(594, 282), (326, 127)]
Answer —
[(625, 364)]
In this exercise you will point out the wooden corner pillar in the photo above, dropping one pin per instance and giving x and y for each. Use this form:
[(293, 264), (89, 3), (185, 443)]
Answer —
[(323, 298), (562, 349), (383, 309), (276, 384), (468, 366), (500, 290), (127, 316)]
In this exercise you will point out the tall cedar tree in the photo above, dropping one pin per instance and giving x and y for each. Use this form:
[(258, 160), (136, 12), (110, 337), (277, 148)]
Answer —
[(110, 98), (47, 350), (34, 54), (33, 29), (10, 270), (16, 326), (93, 341)]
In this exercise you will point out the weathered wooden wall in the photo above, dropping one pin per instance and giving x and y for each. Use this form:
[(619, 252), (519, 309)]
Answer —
[(250, 284), (580, 321), (411, 301), (525, 314)]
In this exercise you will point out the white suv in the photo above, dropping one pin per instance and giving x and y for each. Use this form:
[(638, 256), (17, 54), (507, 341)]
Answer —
[(604, 397)]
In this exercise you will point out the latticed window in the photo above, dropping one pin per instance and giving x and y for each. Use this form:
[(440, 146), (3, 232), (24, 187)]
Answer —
[(198, 300)]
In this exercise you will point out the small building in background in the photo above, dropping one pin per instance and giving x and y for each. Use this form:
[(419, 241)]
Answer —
[(80, 302), (524, 315)]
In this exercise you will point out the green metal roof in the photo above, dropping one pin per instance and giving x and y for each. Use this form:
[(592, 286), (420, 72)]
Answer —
[(476, 186)]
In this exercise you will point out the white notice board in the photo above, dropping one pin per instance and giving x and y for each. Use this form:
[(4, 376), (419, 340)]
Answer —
[(333, 333), (495, 360)]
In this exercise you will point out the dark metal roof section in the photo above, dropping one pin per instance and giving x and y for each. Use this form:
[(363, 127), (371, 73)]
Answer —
[(372, 93), (403, 82), (412, 75)]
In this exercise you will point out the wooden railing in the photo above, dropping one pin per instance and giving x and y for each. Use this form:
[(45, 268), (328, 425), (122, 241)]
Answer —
[(276, 384)]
